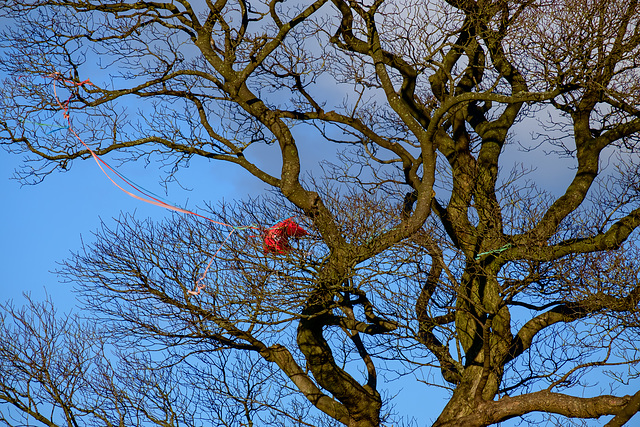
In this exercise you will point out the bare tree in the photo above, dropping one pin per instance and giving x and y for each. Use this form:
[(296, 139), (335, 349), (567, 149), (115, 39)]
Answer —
[(61, 371), (424, 250)]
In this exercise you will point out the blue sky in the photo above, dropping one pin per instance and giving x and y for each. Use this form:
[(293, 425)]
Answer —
[(44, 222), (40, 225)]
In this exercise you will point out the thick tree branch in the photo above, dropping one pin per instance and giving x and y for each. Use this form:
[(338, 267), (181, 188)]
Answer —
[(546, 401), (626, 413)]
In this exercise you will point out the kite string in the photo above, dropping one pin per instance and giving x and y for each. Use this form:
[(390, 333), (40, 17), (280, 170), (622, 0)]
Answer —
[(147, 198), (56, 128), (199, 285)]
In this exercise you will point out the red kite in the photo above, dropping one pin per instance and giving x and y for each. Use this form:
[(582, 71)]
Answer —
[(276, 238)]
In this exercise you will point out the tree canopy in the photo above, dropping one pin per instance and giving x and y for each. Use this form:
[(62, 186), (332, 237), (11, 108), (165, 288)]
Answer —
[(432, 252)]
